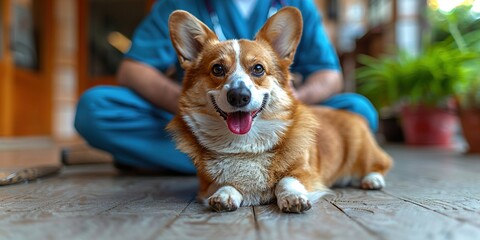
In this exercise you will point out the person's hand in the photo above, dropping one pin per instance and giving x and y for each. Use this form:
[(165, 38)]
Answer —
[(319, 86)]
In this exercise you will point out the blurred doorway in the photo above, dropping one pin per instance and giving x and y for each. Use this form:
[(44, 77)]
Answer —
[(26, 64), (105, 29)]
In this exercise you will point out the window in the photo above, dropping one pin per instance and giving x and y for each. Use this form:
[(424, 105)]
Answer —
[(24, 39), (381, 12)]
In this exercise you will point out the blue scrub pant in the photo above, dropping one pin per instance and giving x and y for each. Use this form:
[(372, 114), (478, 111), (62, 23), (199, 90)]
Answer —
[(119, 121)]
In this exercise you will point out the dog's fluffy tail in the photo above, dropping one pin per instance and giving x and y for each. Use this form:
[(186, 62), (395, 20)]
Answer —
[(315, 196)]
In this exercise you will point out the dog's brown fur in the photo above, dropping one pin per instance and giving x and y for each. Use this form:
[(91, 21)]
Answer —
[(318, 146)]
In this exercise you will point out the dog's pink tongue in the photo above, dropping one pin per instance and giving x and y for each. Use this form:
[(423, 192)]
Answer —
[(239, 122)]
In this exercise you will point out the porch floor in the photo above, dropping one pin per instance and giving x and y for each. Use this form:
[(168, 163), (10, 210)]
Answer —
[(430, 194)]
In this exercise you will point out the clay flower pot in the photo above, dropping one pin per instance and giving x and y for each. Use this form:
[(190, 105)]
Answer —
[(428, 126), (470, 122)]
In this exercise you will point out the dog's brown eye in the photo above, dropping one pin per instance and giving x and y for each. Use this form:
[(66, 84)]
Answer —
[(258, 70), (218, 70)]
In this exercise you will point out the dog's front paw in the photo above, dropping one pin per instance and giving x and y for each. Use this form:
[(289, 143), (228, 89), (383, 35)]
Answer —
[(222, 203), (294, 203), (225, 199), (292, 196), (373, 181)]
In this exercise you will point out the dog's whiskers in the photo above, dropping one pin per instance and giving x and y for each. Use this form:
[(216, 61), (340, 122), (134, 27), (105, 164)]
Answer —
[(222, 113), (264, 103)]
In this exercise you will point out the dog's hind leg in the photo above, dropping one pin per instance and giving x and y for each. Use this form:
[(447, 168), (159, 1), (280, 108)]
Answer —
[(373, 181)]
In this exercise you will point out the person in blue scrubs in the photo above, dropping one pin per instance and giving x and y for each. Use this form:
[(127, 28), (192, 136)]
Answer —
[(129, 121)]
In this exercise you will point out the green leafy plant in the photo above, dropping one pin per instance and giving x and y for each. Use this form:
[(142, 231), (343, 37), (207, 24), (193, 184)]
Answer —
[(461, 29), (468, 94), (428, 79), (448, 66)]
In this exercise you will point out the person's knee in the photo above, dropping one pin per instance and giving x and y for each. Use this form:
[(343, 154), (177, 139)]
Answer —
[(361, 105), (358, 102), (89, 104)]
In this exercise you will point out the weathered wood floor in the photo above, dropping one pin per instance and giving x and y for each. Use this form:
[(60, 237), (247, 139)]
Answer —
[(431, 194)]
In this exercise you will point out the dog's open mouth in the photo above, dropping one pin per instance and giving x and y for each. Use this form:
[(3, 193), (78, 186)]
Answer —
[(239, 122)]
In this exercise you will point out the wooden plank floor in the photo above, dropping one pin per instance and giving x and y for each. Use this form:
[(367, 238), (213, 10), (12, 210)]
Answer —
[(431, 194)]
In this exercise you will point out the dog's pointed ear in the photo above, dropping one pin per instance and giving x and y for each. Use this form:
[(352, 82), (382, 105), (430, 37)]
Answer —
[(283, 31), (189, 35)]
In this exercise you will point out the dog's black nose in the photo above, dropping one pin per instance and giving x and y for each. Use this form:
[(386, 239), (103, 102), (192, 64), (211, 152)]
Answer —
[(239, 97)]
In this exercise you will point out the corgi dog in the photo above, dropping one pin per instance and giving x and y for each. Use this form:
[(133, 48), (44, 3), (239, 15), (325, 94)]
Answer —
[(251, 141)]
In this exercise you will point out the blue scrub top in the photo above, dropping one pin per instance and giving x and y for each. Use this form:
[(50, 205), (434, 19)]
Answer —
[(151, 41)]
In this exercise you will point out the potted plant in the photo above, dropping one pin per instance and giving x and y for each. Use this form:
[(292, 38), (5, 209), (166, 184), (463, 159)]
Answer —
[(469, 112), (462, 28), (422, 87), (468, 97)]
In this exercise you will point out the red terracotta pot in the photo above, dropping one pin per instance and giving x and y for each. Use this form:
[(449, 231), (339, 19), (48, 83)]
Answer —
[(428, 126), (470, 122)]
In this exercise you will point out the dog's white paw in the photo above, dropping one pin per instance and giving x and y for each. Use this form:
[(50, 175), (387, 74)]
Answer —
[(225, 199), (292, 196), (373, 181), (294, 203)]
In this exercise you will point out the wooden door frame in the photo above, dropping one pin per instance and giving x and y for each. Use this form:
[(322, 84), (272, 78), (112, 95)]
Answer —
[(26, 95), (6, 105), (36, 86)]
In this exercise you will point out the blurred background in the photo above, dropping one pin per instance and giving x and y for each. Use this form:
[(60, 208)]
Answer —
[(413, 58)]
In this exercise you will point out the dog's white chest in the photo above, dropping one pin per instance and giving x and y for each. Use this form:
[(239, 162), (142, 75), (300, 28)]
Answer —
[(249, 174)]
